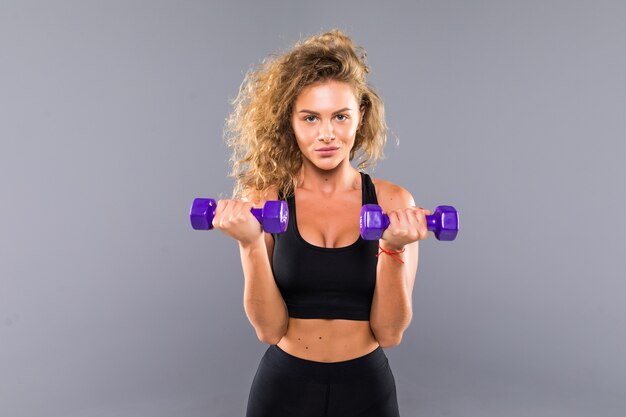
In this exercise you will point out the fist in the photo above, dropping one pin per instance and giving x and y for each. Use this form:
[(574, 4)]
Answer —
[(406, 226), (234, 219)]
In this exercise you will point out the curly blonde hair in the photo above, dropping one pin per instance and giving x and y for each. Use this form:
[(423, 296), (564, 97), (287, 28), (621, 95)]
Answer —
[(265, 151)]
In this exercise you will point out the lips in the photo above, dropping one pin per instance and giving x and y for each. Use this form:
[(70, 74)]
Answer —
[(328, 148)]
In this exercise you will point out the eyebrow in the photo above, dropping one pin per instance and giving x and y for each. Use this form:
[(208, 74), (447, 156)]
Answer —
[(317, 114)]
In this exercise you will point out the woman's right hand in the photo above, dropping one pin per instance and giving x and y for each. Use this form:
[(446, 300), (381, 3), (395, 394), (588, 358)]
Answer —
[(233, 218)]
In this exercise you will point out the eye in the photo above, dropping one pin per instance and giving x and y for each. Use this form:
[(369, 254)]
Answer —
[(308, 117), (344, 117)]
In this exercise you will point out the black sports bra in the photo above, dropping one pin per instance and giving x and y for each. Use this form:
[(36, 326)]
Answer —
[(326, 283)]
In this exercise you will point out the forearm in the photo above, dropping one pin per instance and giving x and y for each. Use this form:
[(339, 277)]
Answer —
[(263, 303), (391, 310)]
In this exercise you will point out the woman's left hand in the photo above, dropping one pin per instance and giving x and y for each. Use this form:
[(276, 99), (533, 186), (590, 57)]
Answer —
[(406, 226)]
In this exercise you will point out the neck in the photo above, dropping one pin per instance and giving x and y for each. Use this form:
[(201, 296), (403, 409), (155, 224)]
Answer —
[(340, 179)]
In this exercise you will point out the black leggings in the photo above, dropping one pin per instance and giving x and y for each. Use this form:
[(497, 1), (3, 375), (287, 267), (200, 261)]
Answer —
[(288, 386)]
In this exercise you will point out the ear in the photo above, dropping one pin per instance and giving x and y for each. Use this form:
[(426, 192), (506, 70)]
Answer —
[(361, 114)]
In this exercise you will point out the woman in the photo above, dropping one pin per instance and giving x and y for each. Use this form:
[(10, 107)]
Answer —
[(319, 294)]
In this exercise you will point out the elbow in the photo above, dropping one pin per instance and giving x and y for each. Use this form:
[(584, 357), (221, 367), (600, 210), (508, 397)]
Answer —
[(267, 332), (268, 338), (390, 336), (390, 341), (271, 337)]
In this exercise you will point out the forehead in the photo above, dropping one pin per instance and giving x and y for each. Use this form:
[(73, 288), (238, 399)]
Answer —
[(326, 94)]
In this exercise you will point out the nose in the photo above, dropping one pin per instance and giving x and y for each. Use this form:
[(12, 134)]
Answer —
[(326, 133)]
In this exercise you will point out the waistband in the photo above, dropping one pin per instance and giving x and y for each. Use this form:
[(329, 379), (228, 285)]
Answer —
[(325, 372)]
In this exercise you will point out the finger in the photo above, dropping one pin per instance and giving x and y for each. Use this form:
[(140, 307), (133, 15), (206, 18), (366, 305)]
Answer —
[(394, 221), (244, 210), (227, 214), (423, 225), (403, 217), (393, 217), (237, 207), (404, 227), (220, 208), (402, 223), (414, 223)]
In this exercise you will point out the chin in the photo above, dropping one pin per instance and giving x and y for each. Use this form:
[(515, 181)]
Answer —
[(328, 167), (325, 164)]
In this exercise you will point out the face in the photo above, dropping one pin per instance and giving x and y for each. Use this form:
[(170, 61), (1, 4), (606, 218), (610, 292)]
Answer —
[(325, 119)]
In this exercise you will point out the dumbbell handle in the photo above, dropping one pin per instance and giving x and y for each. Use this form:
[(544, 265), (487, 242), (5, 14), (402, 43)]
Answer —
[(256, 212), (431, 222)]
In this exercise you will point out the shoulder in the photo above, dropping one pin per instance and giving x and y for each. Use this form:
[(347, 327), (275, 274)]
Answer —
[(392, 196)]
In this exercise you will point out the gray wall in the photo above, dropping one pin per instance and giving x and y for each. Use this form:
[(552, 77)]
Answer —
[(111, 123)]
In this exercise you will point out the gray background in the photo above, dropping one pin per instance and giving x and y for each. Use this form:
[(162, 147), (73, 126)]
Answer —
[(111, 123)]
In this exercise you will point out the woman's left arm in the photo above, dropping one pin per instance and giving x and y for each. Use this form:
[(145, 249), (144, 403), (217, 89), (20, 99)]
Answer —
[(392, 309)]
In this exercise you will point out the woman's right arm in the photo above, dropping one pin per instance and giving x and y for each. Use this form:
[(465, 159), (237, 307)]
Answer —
[(262, 300)]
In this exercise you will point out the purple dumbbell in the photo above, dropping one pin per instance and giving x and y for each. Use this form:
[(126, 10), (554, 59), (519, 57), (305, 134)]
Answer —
[(274, 216), (444, 222)]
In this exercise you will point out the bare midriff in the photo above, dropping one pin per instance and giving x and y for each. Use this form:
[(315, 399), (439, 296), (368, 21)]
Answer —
[(326, 340)]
